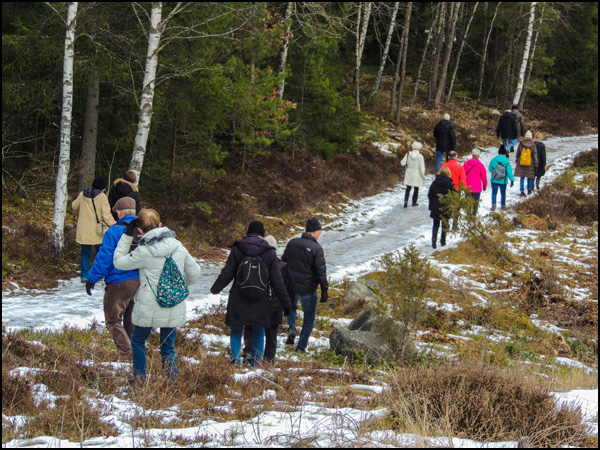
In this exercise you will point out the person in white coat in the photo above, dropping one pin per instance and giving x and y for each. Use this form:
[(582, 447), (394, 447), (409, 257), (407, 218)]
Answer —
[(157, 244), (415, 172)]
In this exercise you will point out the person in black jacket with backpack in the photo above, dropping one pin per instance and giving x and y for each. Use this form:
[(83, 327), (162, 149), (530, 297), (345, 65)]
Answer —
[(306, 260), (445, 140), (252, 266)]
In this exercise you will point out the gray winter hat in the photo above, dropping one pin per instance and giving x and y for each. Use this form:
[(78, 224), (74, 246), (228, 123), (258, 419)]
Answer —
[(312, 225), (272, 241)]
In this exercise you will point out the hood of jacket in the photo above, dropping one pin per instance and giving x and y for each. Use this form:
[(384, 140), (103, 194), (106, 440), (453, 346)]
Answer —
[(471, 163), (529, 143), (507, 115), (160, 242), (252, 245), (91, 192), (414, 154), (501, 159), (442, 180), (123, 186)]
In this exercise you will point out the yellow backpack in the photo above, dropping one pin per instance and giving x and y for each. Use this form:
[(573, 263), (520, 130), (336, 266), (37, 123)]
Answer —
[(525, 159)]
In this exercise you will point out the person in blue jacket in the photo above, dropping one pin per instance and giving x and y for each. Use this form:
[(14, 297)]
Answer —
[(501, 171), (121, 285)]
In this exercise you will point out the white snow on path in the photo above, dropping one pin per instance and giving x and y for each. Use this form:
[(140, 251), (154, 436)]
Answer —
[(353, 242)]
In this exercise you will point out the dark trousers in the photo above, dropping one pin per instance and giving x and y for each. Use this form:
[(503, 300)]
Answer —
[(270, 342), (415, 194), (436, 227)]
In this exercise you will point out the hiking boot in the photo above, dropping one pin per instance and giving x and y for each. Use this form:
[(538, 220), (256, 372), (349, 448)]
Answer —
[(493, 208), (523, 194), (406, 204), (415, 204), (291, 336), (299, 350), (433, 245), (503, 208)]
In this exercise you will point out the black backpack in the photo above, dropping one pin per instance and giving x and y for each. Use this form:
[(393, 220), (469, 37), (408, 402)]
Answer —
[(252, 278)]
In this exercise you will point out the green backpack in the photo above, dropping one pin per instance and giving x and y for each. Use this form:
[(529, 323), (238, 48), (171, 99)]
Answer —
[(171, 289)]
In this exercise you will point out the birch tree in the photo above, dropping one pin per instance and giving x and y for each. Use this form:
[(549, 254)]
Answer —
[(405, 51), (285, 47), (485, 50), (362, 24), (462, 46), (60, 198), (525, 60), (429, 36), (386, 51), (454, 10), (147, 98)]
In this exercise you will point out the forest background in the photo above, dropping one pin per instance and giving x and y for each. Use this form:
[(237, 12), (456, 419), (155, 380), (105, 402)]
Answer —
[(260, 110)]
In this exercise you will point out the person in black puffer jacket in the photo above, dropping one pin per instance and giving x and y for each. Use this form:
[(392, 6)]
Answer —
[(124, 187), (306, 260), (241, 310), (276, 312), (442, 185)]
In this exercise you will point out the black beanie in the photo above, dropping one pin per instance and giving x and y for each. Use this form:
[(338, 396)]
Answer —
[(256, 227), (99, 183), (312, 224)]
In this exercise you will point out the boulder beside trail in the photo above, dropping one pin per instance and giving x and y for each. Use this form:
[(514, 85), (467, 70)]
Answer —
[(358, 291), (373, 335)]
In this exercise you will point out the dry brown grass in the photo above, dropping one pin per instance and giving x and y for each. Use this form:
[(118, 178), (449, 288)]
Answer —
[(482, 402)]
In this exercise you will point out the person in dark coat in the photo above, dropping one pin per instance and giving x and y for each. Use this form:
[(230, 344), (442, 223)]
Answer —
[(445, 140), (508, 130), (124, 187), (306, 260), (514, 110), (243, 311), (540, 169), (442, 185)]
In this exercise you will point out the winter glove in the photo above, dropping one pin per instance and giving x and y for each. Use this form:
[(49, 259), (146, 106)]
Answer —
[(89, 286), (287, 311), (324, 296), (131, 226), (512, 183)]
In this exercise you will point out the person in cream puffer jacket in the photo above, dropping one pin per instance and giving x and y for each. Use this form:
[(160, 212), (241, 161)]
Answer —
[(415, 172), (156, 244)]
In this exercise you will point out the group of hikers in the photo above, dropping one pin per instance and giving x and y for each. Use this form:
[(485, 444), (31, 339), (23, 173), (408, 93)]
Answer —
[(147, 271), (471, 177)]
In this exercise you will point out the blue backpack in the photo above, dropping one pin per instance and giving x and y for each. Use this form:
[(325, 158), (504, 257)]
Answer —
[(171, 289)]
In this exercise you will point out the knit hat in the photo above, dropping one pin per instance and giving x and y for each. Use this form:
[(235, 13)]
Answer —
[(99, 183), (123, 204), (417, 146), (256, 227), (515, 107), (271, 240), (312, 225), (476, 153), (529, 135)]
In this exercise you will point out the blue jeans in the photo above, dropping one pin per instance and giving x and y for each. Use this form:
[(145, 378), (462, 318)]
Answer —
[(309, 307), (529, 184), (167, 351), (86, 256), (438, 160), (508, 143), (258, 344), (502, 187)]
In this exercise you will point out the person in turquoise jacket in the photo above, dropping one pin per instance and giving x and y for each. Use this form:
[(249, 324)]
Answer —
[(501, 171)]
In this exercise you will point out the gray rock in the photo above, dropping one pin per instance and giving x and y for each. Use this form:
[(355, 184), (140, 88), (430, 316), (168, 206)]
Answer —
[(376, 336), (346, 342), (359, 291)]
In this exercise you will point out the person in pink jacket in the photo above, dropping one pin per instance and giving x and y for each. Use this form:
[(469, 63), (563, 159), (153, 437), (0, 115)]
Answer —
[(476, 177)]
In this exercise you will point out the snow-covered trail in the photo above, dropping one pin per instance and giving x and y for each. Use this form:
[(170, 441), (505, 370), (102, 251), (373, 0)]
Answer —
[(352, 241)]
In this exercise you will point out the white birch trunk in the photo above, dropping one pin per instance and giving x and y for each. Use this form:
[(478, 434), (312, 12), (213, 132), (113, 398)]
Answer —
[(143, 129), (60, 198), (404, 52), (363, 26), (525, 59), (386, 51), (484, 57), (455, 7), (284, 49), (429, 35), (462, 46)]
